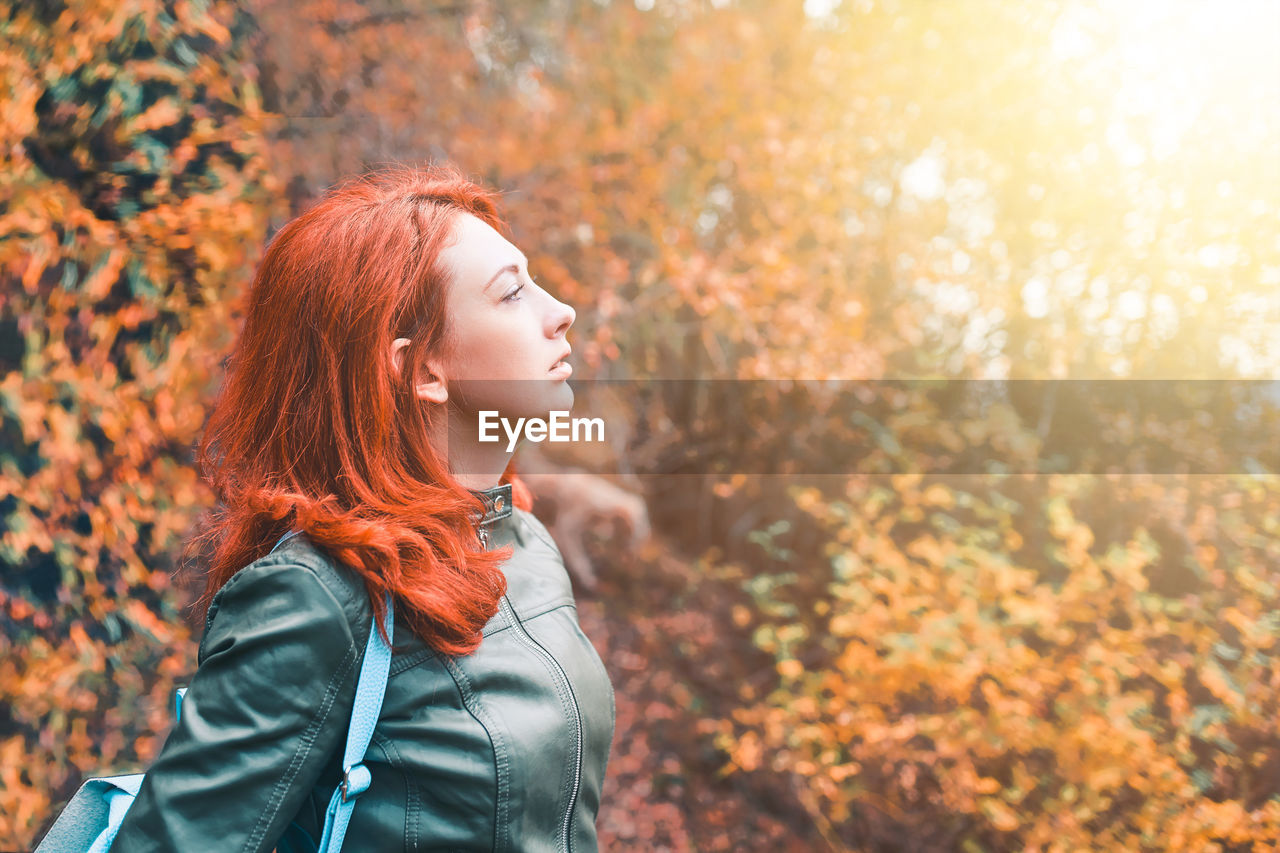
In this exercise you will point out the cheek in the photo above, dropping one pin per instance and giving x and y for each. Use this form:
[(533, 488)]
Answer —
[(493, 357), (480, 344)]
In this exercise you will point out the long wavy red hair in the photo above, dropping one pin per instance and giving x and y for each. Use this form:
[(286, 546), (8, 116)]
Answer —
[(315, 429)]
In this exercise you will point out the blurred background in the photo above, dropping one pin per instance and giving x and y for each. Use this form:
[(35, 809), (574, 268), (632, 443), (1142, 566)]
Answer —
[(883, 658)]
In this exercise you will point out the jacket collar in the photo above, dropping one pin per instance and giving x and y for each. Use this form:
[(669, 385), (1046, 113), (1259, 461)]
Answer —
[(498, 509)]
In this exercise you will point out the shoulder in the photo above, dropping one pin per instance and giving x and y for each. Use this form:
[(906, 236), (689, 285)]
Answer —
[(296, 582), (532, 523)]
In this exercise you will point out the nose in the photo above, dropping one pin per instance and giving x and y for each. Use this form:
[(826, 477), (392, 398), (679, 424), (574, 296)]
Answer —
[(560, 317)]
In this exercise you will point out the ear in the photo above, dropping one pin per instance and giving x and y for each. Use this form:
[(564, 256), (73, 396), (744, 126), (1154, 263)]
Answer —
[(434, 390)]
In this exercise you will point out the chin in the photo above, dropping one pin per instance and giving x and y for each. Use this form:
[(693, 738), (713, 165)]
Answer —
[(557, 400), (534, 400), (563, 394)]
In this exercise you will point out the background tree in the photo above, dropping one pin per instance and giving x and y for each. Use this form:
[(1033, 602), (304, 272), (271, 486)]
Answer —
[(135, 199)]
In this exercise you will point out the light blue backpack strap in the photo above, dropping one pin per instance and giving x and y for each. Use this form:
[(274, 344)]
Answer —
[(356, 777), (89, 822), (282, 539), (118, 798)]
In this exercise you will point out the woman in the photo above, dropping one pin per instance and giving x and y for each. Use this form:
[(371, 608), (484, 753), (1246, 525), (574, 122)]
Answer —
[(379, 324)]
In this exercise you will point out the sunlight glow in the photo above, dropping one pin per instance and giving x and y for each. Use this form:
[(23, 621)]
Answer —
[(1177, 63)]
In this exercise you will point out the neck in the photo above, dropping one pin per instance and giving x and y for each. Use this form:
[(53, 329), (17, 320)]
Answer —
[(474, 464)]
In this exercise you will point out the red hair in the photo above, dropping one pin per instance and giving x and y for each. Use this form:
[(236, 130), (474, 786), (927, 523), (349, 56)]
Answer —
[(315, 429)]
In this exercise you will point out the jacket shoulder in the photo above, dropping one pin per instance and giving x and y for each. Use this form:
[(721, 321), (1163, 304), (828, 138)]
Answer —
[(265, 713), (535, 526), (311, 581)]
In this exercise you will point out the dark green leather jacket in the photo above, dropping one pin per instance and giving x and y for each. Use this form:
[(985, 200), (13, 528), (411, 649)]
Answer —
[(503, 749)]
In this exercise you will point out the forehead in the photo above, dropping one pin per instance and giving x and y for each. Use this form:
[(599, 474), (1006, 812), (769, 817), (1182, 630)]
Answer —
[(477, 251)]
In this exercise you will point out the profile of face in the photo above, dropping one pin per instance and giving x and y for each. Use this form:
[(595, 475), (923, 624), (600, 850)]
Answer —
[(509, 335)]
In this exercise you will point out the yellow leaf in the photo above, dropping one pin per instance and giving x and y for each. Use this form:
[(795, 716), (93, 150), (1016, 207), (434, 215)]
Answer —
[(987, 785), (939, 495), (790, 668), (162, 113), (1001, 816)]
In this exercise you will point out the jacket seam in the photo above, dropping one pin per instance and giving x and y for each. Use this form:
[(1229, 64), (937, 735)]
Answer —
[(502, 773), (567, 702), (392, 754), (300, 754), (552, 609), (600, 665), (388, 748), (408, 662), (539, 534)]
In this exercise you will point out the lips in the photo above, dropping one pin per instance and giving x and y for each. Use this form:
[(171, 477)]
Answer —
[(560, 360)]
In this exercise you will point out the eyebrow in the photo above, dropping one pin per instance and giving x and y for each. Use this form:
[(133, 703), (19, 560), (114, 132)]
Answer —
[(512, 268)]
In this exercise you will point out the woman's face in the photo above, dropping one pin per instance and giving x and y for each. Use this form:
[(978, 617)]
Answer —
[(507, 332)]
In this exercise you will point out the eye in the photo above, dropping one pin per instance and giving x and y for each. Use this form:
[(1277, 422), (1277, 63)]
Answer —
[(513, 296)]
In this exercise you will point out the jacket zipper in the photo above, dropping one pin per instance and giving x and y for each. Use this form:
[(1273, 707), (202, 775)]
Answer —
[(577, 714)]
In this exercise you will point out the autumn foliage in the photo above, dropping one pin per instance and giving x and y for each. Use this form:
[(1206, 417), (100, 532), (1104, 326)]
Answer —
[(989, 661), (135, 201), (983, 668)]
